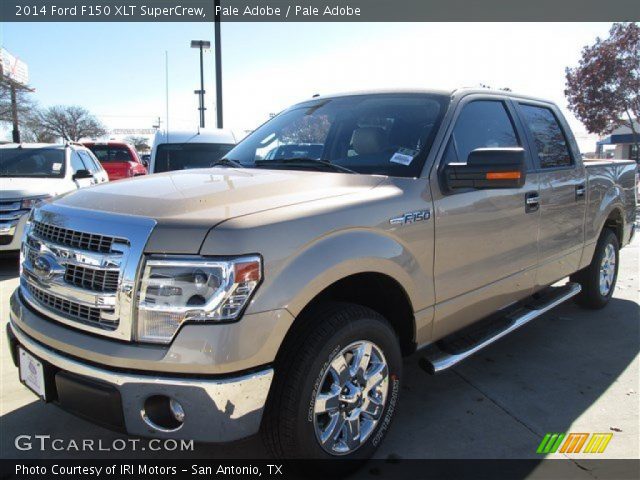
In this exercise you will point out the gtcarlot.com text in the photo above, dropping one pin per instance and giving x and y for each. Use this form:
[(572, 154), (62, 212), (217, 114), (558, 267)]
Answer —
[(50, 443)]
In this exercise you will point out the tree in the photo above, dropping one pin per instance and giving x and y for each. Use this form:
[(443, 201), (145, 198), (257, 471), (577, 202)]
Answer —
[(604, 89), (33, 131), (69, 122), (140, 143), (24, 103)]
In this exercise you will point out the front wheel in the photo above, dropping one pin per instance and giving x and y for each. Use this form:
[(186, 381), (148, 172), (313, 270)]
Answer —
[(598, 280), (336, 386)]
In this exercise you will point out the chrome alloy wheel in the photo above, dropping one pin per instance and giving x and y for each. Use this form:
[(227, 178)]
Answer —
[(351, 398), (607, 270)]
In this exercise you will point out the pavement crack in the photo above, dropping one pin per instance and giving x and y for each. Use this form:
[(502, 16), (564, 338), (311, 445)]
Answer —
[(496, 403), (513, 416)]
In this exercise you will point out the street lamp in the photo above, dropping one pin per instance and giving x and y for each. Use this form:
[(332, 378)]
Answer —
[(201, 44)]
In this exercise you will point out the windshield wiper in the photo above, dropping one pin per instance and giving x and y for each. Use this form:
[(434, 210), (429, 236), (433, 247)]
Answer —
[(227, 162), (305, 161)]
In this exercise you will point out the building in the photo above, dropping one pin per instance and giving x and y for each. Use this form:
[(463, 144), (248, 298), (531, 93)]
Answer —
[(621, 142)]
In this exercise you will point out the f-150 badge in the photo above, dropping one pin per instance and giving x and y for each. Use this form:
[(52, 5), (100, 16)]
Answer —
[(411, 217)]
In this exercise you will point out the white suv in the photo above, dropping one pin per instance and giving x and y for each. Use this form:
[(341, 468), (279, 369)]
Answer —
[(30, 173)]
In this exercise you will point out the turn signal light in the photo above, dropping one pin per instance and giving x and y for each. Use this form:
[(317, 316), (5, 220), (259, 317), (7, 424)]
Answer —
[(504, 175)]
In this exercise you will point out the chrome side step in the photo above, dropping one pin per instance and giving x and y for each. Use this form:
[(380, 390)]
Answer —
[(435, 359)]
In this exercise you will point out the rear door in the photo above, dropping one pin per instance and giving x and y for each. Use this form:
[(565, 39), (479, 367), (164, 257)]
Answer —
[(562, 190), (486, 242)]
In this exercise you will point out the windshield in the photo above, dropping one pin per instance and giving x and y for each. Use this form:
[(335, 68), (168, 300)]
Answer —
[(183, 156), (32, 162), (385, 134)]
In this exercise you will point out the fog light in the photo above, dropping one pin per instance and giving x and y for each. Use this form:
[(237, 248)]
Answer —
[(163, 413)]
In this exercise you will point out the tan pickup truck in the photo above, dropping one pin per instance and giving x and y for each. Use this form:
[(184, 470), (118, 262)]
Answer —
[(278, 290)]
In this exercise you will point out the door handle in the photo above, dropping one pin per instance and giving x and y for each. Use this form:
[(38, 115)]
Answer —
[(531, 202), (580, 190)]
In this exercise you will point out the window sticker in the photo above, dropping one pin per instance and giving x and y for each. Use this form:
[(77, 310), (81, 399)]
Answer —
[(56, 167), (404, 156)]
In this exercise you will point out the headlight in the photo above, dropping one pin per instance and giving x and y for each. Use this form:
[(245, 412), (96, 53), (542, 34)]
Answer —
[(174, 291), (29, 203)]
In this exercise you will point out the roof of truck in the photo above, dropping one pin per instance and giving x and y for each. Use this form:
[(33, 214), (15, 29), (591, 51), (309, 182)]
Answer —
[(202, 135), (432, 91)]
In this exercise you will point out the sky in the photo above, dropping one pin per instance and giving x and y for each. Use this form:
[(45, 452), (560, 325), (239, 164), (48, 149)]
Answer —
[(117, 70)]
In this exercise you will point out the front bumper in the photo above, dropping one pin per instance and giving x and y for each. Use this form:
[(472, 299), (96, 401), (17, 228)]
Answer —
[(215, 409), (11, 233)]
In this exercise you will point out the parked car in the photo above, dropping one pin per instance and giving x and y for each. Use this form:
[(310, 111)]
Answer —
[(119, 159), (184, 150), (280, 295), (32, 173)]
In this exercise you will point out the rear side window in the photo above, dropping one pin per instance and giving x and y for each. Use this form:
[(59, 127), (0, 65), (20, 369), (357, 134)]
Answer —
[(550, 141), (481, 124), (111, 153)]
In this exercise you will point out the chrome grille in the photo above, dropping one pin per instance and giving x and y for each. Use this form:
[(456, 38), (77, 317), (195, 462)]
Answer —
[(72, 238), (91, 278), (79, 267), (71, 309)]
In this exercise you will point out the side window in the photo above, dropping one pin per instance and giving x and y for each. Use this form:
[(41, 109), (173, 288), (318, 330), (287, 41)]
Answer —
[(481, 124), (89, 162), (76, 162), (553, 150)]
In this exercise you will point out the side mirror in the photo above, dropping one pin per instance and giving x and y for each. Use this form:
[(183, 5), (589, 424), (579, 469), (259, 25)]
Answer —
[(488, 168), (145, 162), (82, 174)]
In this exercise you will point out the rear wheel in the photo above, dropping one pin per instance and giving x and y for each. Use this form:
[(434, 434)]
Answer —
[(598, 280), (336, 386)]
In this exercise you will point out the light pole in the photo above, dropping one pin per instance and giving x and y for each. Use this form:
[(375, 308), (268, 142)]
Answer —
[(218, 59), (201, 44)]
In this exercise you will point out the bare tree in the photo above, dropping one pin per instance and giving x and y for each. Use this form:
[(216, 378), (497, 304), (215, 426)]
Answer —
[(25, 105), (69, 122), (140, 143)]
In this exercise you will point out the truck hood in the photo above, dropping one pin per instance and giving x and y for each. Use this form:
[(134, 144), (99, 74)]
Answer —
[(187, 204), (20, 187)]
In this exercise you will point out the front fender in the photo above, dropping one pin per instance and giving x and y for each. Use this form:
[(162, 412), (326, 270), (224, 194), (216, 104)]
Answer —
[(323, 262)]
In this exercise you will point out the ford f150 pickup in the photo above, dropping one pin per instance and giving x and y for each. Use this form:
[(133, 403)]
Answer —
[(279, 294)]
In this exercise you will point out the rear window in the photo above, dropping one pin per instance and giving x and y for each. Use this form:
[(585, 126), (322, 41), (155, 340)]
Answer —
[(184, 156), (111, 153)]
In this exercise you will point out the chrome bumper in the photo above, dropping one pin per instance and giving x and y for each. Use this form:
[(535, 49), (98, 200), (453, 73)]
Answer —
[(12, 230), (216, 410)]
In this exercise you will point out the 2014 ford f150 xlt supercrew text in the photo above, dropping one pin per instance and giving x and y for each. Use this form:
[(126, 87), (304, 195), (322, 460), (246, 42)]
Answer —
[(278, 293)]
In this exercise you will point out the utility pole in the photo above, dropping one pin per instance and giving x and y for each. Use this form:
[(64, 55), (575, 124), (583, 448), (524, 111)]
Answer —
[(218, 59), (14, 114)]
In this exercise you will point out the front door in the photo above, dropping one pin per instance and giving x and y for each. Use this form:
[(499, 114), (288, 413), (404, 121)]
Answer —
[(485, 240)]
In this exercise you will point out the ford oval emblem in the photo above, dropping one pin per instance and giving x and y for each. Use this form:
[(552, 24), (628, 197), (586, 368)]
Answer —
[(44, 267)]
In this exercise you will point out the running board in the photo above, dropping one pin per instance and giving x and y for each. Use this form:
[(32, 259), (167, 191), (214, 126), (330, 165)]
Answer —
[(435, 358)]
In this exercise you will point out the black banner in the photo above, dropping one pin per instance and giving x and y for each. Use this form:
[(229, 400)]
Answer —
[(564, 469), (318, 10)]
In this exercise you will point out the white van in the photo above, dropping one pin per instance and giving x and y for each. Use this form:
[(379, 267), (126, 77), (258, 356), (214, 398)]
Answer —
[(182, 149), (33, 172)]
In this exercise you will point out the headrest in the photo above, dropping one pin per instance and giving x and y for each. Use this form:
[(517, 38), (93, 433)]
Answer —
[(368, 140)]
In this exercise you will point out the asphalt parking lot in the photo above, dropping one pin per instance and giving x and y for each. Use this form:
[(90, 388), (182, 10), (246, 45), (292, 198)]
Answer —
[(571, 370)]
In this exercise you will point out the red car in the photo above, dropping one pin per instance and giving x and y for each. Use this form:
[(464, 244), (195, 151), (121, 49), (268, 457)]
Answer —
[(119, 159)]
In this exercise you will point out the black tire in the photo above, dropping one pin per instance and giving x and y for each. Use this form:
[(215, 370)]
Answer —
[(589, 278), (288, 428)]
